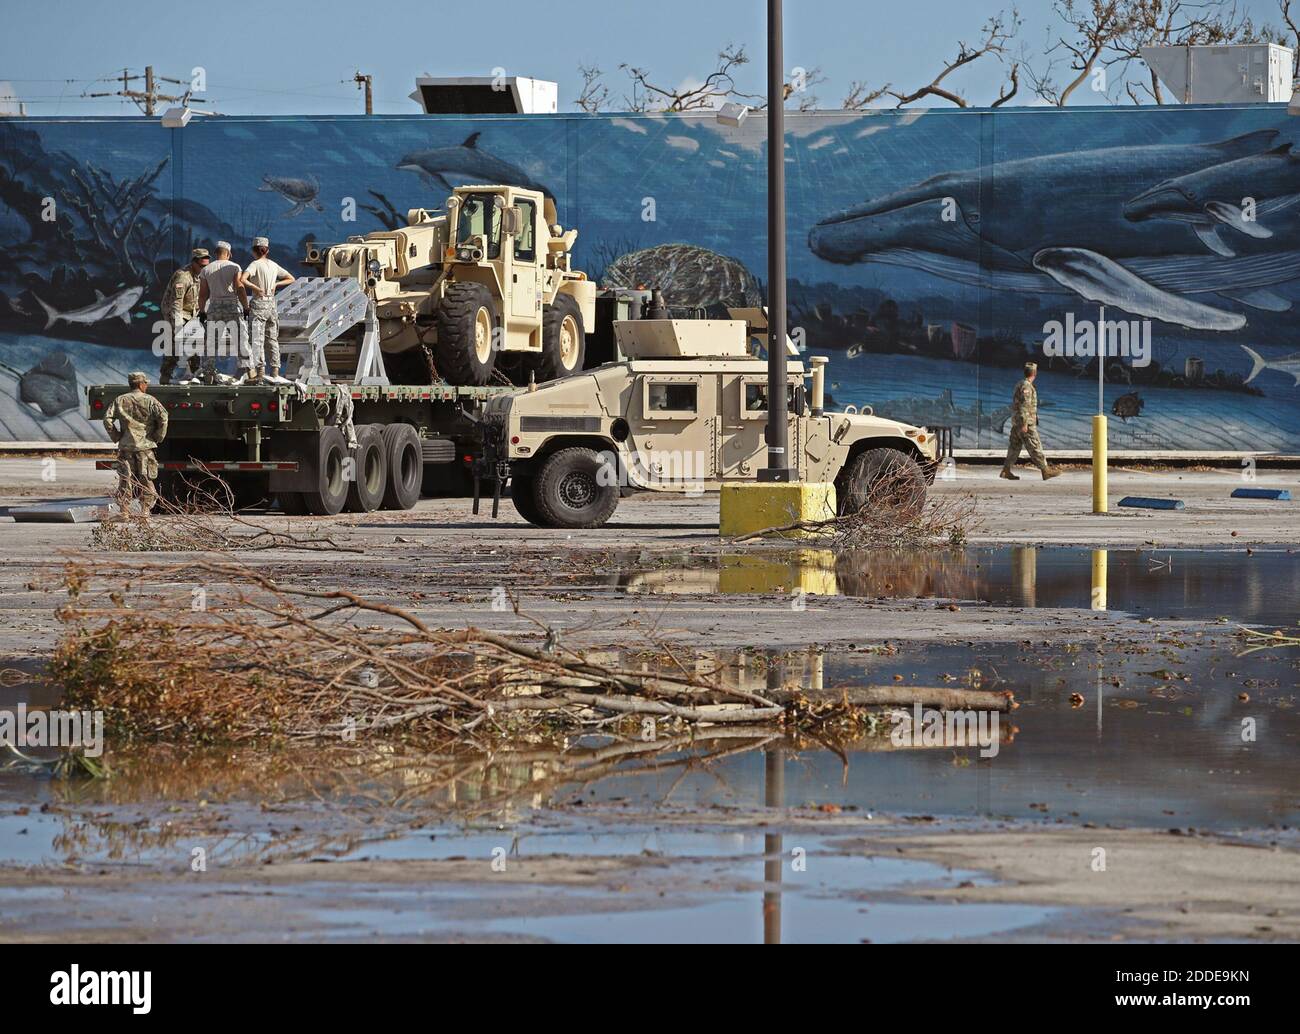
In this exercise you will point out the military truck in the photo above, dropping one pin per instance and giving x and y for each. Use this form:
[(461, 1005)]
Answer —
[(485, 286), (684, 412)]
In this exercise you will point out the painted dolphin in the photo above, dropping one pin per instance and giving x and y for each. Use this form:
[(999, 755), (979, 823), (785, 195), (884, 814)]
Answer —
[(1287, 364), (1056, 223), (101, 308), (468, 164), (1231, 198), (298, 192)]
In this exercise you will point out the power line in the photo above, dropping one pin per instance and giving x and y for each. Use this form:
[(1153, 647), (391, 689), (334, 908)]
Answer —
[(147, 99)]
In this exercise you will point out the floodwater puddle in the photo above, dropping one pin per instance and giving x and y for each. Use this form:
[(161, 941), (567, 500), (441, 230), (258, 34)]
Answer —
[(1259, 587)]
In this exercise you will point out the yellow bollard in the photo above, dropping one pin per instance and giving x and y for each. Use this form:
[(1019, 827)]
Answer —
[(1099, 557), (1100, 498)]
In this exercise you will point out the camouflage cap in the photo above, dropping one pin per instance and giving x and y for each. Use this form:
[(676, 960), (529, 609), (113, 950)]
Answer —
[(132, 379), (199, 253), (223, 246), (261, 242), (1031, 367)]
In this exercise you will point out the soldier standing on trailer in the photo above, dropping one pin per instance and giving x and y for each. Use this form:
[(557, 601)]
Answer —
[(263, 277), (180, 304), (226, 302)]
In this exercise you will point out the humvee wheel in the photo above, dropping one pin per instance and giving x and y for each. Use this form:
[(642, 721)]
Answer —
[(466, 320), (523, 493), (564, 343), (575, 488), (884, 479), (370, 471)]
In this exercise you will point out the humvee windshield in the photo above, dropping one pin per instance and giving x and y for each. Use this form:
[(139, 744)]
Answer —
[(479, 216)]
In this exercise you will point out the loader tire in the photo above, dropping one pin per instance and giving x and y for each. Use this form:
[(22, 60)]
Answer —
[(564, 343), (405, 467), (466, 319), (886, 478), (576, 489), (369, 471)]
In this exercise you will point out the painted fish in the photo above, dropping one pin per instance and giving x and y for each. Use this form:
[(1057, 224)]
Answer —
[(1127, 405), (1058, 223), (300, 193), (50, 385), (1287, 364), (467, 163), (102, 308)]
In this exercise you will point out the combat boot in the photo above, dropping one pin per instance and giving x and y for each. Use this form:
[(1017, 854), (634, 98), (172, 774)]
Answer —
[(1050, 472), (1006, 473)]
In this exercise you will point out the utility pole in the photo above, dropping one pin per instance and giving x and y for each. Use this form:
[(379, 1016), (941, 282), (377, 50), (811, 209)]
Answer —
[(363, 83), (147, 99), (778, 460)]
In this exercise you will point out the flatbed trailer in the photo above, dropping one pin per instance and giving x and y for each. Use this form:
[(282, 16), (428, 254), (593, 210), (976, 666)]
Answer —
[(291, 443)]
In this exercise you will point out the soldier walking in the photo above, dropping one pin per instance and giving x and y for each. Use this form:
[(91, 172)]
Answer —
[(180, 304), (1024, 428), (263, 277), (137, 423), (226, 303)]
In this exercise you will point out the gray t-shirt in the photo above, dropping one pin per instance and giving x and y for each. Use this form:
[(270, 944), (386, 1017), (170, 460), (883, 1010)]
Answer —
[(220, 278), (264, 273)]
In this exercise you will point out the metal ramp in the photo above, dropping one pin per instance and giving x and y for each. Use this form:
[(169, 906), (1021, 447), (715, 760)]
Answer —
[(314, 311)]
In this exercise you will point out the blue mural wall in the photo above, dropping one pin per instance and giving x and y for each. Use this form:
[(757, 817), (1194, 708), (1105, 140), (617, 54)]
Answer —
[(928, 249)]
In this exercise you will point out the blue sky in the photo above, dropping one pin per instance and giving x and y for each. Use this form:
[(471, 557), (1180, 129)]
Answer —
[(294, 58)]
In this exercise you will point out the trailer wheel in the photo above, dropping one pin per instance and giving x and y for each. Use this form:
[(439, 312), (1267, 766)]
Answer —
[(291, 503), (564, 343), (887, 478), (369, 471), (331, 490), (466, 320), (405, 467), (523, 494), (576, 489)]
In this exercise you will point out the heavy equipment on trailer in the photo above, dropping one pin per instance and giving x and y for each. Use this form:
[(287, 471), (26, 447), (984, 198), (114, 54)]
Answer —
[(685, 411), (485, 286)]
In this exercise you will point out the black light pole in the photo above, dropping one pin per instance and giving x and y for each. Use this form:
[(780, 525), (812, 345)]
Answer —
[(778, 463)]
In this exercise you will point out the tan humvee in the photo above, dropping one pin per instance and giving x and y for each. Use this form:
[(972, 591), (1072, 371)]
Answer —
[(489, 281), (684, 412)]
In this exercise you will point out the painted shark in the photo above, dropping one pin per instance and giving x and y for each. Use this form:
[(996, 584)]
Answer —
[(1287, 364), (1064, 223), (101, 308), (467, 163), (300, 193)]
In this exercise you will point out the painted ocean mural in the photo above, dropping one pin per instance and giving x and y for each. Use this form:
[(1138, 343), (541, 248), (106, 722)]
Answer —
[(928, 249)]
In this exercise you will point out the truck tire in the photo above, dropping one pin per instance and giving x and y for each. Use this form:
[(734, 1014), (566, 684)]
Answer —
[(572, 492), (564, 343), (523, 494), (466, 318), (331, 490), (882, 476), (369, 471), (405, 467)]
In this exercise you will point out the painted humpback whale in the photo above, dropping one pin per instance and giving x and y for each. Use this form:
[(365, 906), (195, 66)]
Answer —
[(1058, 223)]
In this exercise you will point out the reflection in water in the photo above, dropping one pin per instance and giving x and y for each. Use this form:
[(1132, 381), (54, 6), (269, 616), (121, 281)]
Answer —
[(1259, 588)]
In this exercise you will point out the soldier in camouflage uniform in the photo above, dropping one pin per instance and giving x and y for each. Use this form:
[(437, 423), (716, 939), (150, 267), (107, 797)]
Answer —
[(263, 277), (180, 304), (137, 423), (1024, 428), (222, 294)]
